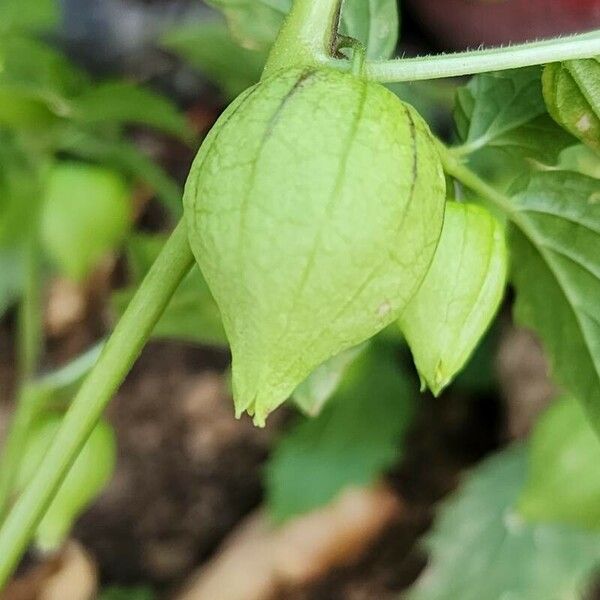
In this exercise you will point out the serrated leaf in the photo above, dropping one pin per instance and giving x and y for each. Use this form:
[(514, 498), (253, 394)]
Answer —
[(554, 239), (563, 482), (85, 214), (314, 392), (506, 110), (125, 103), (356, 437), (209, 48), (192, 313), (255, 23), (572, 94), (480, 548), (459, 296)]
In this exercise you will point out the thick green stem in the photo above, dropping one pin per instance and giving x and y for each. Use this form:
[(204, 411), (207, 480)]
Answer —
[(307, 37), (586, 45), (12, 450), (119, 354)]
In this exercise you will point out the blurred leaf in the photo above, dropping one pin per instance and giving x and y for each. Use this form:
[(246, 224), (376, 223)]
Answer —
[(253, 23), (506, 110), (563, 484), (554, 238), (125, 157), (209, 48), (375, 23), (11, 278), (21, 107), (572, 94), (55, 389), (27, 14), (355, 438), (314, 392), (122, 102), (45, 71), (86, 213), (192, 313), (85, 479), (480, 548), (19, 192)]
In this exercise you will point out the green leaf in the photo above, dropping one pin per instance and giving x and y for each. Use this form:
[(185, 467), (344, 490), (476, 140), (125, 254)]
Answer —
[(480, 548), (86, 478), (314, 392), (86, 213), (124, 103), (554, 239), (582, 159), (42, 70), (572, 93), (563, 482), (125, 157), (209, 48), (506, 110), (19, 192), (356, 437), (373, 22), (447, 317), (255, 23), (23, 15), (54, 390), (192, 313)]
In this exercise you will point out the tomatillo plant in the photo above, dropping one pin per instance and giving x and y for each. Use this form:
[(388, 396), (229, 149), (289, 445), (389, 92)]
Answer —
[(315, 210)]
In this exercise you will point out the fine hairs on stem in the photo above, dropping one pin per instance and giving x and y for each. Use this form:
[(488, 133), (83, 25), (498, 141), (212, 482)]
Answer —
[(580, 46)]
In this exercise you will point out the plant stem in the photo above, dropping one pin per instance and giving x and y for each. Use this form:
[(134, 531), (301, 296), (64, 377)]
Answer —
[(456, 168), (29, 339), (13, 447), (585, 45), (30, 311), (119, 354), (307, 37)]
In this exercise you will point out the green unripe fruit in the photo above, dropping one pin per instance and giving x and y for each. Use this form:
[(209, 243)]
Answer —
[(90, 472), (459, 296), (314, 208)]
